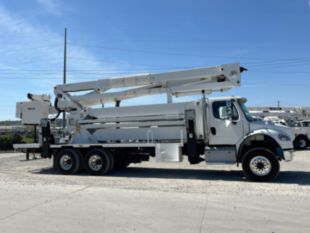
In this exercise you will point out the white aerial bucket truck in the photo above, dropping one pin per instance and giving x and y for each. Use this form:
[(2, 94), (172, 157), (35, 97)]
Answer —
[(100, 139)]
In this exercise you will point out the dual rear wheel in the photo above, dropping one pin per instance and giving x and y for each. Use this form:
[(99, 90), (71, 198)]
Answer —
[(99, 161), (96, 161), (67, 161)]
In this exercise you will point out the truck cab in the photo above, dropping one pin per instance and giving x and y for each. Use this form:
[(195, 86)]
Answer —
[(238, 137), (231, 123)]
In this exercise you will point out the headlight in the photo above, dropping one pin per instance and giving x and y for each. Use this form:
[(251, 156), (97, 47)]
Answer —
[(284, 137)]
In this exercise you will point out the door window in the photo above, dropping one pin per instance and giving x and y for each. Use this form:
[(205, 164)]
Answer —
[(222, 110), (305, 124)]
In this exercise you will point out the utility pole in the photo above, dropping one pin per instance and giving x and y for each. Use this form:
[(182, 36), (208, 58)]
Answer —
[(65, 75)]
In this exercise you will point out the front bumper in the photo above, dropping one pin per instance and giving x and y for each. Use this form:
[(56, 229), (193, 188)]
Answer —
[(288, 155)]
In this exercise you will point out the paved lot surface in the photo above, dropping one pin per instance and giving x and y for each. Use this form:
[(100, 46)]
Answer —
[(152, 197)]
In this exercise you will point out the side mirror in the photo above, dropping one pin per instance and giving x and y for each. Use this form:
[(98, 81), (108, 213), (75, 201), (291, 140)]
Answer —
[(229, 110), (234, 119), (232, 113)]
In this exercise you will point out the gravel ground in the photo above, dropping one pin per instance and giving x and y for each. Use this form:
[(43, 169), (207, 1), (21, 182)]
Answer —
[(152, 197)]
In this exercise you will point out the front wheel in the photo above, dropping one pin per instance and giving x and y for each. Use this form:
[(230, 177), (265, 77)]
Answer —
[(260, 164), (301, 143)]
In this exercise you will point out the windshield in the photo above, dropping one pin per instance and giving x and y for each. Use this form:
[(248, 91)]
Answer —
[(245, 110)]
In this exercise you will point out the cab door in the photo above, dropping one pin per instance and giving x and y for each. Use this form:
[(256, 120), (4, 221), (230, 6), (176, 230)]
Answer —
[(225, 122)]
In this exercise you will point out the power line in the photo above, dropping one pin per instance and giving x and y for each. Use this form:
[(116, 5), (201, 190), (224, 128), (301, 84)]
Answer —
[(265, 62), (127, 63), (280, 63), (44, 75), (23, 48), (266, 66), (155, 52)]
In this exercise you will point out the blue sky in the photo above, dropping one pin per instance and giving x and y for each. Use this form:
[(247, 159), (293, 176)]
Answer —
[(112, 37)]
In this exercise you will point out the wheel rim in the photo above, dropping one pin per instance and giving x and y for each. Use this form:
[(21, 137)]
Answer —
[(302, 143), (95, 162), (66, 162), (260, 165)]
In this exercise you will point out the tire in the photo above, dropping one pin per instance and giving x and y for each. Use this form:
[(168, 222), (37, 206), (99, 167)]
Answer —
[(67, 161), (260, 164), (112, 160), (301, 142), (97, 162)]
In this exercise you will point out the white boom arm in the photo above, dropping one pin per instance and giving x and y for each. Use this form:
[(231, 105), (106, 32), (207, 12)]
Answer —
[(178, 83)]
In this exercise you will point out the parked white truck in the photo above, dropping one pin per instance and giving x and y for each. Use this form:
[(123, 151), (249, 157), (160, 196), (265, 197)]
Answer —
[(288, 116), (277, 115), (302, 134), (214, 130)]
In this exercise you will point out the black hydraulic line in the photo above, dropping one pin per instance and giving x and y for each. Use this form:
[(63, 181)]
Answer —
[(58, 110)]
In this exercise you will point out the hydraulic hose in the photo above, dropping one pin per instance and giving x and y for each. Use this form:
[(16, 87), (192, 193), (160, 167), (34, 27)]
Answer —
[(58, 110)]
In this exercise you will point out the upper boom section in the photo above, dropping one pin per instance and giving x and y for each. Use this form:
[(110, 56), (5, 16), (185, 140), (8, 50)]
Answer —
[(178, 83)]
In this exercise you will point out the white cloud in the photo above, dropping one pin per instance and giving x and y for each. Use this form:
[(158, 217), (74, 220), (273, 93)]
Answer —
[(32, 61), (25, 47), (24, 42), (51, 6)]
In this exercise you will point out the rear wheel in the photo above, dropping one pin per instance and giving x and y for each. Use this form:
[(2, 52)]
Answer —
[(67, 161), (260, 164), (112, 160), (301, 142), (97, 162)]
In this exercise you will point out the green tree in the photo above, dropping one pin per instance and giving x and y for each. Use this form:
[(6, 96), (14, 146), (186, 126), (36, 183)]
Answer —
[(7, 141)]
